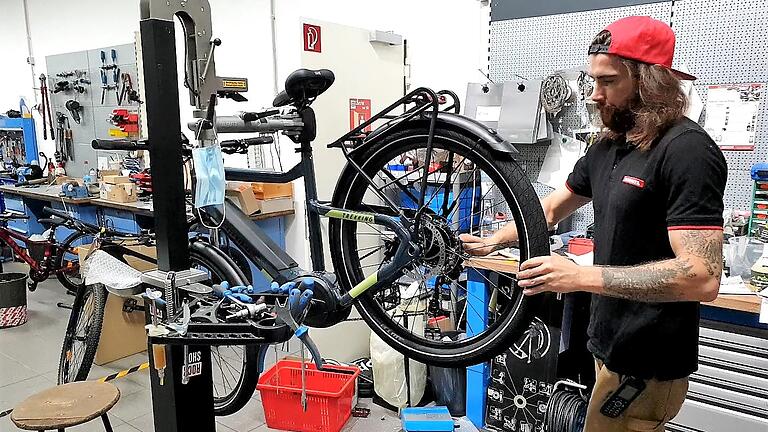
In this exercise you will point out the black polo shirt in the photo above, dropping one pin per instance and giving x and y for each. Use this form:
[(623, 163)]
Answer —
[(638, 196)]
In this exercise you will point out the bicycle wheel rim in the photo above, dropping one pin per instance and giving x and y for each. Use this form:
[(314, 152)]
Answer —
[(372, 162)]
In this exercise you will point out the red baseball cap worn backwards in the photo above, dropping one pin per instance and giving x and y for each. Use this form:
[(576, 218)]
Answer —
[(643, 39)]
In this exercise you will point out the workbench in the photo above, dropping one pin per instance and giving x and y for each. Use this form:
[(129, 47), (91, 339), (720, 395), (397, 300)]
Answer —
[(125, 217)]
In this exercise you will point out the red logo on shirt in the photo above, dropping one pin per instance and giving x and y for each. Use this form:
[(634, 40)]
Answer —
[(634, 181)]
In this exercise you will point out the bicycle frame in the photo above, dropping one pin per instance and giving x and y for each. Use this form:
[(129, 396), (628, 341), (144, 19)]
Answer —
[(276, 262), (9, 237)]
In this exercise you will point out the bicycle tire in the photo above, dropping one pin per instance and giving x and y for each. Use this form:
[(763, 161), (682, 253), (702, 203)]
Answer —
[(213, 258), (524, 205), (91, 336), (62, 275)]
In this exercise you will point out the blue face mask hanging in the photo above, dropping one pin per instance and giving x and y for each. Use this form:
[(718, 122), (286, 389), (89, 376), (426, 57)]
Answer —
[(209, 173)]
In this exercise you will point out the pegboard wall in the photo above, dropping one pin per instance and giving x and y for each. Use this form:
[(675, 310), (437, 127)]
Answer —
[(724, 42), (720, 42), (86, 67)]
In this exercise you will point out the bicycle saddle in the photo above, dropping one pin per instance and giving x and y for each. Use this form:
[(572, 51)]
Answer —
[(304, 84)]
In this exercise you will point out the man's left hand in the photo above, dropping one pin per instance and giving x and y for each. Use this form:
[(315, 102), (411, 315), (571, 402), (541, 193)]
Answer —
[(553, 273)]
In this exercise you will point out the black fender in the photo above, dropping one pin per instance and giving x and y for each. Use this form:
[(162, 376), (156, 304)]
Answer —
[(474, 127), (457, 122)]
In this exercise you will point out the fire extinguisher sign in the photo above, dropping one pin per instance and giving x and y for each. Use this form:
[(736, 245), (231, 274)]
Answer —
[(359, 112), (312, 40)]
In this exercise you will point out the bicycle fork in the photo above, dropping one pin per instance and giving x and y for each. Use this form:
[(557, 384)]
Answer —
[(406, 251)]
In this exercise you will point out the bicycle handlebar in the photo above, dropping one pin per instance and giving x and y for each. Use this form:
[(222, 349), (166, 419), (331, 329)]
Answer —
[(118, 144), (241, 146), (251, 116)]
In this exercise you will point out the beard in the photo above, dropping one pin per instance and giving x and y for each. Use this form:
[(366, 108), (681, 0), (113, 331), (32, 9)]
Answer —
[(618, 120)]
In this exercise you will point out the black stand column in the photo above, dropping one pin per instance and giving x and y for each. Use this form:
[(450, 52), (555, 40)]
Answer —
[(161, 88), (177, 407)]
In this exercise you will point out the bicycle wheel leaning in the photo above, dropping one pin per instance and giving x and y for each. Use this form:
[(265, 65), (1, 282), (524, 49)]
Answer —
[(81, 339), (470, 189)]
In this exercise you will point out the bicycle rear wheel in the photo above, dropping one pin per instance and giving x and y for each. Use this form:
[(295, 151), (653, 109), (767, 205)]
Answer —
[(470, 189)]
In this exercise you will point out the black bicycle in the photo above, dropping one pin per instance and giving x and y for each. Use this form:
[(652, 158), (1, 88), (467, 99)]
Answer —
[(234, 369), (409, 189)]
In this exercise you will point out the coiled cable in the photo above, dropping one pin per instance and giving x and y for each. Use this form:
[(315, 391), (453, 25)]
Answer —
[(566, 412)]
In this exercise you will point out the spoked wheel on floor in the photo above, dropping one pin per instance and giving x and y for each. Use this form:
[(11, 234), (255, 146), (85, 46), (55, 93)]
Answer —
[(83, 331), (470, 189)]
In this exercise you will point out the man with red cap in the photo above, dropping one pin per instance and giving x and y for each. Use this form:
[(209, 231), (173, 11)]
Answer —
[(656, 181)]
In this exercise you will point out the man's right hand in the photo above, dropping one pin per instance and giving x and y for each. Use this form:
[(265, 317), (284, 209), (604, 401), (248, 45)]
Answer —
[(474, 245)]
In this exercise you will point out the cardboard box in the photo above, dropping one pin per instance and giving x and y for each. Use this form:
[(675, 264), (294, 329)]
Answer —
[(272, 190), (124, 192), (115, 179), (241, 193), (122, 333), (275, 205)]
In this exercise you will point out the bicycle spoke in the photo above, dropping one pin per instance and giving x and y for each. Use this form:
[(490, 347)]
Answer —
[(371, 253)]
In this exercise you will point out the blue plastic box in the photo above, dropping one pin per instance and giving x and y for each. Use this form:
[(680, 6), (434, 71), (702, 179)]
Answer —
[(427, 419)]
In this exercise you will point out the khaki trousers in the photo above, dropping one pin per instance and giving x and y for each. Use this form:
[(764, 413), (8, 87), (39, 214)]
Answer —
[(649, 412)]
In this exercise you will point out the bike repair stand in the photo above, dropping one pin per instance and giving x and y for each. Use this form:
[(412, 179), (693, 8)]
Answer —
[(182, 393), (177, 407)]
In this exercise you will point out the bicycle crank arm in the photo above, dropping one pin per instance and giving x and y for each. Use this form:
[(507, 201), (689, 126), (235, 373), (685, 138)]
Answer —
[(404, 255)]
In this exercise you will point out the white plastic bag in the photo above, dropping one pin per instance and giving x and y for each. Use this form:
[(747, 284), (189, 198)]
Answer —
[(389, 365)]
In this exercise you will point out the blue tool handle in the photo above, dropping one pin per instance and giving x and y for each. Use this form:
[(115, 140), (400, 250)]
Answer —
[(103, 78), (306, 297), (293, 302), (303, 334), (287, 287), (114, 56), (308, 283), (242, 297), (243, 289), (103, 57)]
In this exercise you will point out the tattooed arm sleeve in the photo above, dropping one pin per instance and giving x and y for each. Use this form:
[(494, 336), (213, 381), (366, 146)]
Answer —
[(693, 275)]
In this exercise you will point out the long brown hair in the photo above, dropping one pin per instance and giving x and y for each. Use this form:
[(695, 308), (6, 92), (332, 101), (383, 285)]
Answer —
[(658, 103)]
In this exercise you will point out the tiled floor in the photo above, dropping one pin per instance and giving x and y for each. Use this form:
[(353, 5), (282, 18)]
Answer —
[(29, 356)]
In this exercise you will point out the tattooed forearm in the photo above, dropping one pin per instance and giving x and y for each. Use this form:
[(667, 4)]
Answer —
[(655, 282), (707, 245)]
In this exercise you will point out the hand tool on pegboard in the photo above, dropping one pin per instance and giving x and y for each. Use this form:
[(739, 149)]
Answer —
[(46, 107), (116, 81)]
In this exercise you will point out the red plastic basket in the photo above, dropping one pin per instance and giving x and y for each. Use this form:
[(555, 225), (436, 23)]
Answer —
[(329, 396)]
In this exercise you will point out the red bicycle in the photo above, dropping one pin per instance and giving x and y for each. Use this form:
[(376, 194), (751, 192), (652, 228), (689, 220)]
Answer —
[(48, 256)]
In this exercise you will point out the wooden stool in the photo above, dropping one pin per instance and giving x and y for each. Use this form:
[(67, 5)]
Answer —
[(66, 405)]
